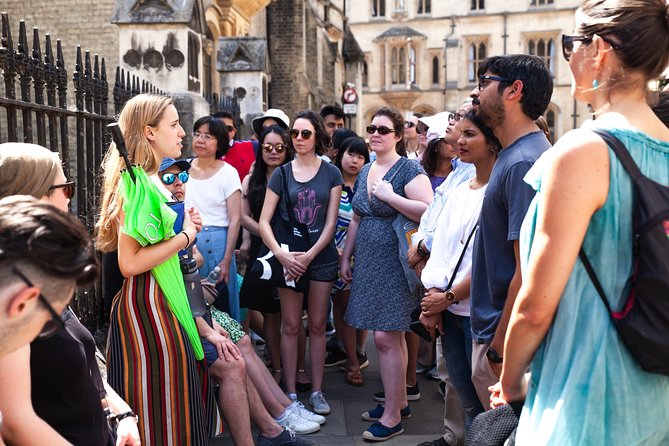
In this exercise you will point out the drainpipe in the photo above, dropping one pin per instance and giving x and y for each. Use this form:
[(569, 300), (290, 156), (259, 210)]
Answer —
[(446, 59), (505, 36)]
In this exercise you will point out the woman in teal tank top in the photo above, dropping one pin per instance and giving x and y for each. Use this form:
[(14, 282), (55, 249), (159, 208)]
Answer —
[(585, 388)]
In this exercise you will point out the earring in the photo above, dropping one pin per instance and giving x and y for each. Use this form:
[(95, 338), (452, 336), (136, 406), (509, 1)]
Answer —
[(595, 84)]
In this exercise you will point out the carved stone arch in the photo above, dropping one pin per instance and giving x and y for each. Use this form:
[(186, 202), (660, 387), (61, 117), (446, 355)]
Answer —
[(426, 110)]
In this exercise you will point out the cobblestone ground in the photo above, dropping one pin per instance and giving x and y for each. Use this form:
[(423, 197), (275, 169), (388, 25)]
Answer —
[(344, 425)]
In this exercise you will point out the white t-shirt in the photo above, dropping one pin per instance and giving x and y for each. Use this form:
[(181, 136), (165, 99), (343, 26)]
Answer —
[(208, 196), (461, 213)]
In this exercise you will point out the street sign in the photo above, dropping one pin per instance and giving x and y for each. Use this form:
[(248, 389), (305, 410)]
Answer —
[(350, 109)]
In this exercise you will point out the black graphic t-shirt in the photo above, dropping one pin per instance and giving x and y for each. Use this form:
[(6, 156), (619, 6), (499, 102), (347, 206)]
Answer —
[(310, 202)]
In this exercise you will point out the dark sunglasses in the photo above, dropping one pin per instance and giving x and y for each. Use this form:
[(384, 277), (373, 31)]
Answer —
[(169, 177), (568, 43), (267, 148), (68, 188), (382, 129), (484, 78), (230, 128), (409, 124), (306, 134), (53, 325)]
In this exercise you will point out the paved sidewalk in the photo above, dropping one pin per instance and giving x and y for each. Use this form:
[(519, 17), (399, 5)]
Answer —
[(344, 425)]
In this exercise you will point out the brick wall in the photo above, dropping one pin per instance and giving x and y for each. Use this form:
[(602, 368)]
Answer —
[(74, 22)]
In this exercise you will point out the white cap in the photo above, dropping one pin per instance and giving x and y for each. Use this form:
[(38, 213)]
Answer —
[(436, 125), (278, 115)]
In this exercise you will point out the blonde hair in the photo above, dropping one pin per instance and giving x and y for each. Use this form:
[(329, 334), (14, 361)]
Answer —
[(141, 111), (27, 169)]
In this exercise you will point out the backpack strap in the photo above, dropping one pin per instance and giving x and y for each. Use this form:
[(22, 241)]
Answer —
[(621, 152), (593, 277)]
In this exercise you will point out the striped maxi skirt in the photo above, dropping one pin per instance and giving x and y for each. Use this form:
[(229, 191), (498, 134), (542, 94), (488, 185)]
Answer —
[(152, 366)]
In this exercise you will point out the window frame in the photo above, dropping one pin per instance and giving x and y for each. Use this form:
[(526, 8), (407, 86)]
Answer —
[(377, 9), (474, 60)]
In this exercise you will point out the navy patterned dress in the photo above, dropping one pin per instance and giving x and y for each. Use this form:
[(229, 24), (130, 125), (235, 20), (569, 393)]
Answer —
[(380, 296)]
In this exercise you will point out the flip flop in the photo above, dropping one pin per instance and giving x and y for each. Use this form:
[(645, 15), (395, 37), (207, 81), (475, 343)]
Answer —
[(354, 378)]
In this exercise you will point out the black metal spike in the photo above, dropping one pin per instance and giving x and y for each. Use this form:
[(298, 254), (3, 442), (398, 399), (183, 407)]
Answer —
[(23, 39), (103, 70), (117, 82), (79, 65), (122, 83), (6, 33), (60, 61), (87, 65), (48, 52), (96, 67), (37, 51)]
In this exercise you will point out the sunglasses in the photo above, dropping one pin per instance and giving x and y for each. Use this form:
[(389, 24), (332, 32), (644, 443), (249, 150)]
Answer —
[(409, 124), (169, 177), (485, 79), (382, 129), (456, 116), (568, 43), (306, 134), (68, 188), (230, 128), (206, 136), (53, 325), (267, 148)]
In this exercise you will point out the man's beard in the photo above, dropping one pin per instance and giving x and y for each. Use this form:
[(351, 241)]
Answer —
[(492, 114)]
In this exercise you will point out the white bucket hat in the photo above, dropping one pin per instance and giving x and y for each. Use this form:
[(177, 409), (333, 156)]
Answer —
[(278, 115)]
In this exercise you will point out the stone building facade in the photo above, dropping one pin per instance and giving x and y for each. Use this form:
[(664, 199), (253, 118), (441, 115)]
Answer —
[(422, 55)]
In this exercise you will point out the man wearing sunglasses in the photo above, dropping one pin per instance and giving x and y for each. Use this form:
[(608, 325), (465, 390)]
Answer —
[(513, 91), (242, 154), (174, 173)]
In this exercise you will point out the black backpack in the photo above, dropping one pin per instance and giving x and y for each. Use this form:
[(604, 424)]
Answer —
[(643, 322)]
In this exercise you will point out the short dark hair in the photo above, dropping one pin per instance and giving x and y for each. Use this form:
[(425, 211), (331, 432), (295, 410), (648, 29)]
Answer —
[(531, 71), (322, 137), (224, 114), (332, 110), (353, 144), (340, 135), (218, 129), (41, 239)]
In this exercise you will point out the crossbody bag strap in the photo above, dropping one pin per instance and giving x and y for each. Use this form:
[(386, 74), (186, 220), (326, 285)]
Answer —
[(462, 255)]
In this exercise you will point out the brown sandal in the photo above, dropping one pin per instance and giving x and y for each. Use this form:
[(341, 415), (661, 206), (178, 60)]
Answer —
[(354, 378)]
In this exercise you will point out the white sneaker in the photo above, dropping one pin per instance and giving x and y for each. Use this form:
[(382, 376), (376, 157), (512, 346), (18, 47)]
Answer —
[(307, 414), (296, 423), (317, 401)]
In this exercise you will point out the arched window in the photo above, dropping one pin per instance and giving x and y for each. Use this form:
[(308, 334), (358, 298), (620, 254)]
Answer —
[(378, 8), (550, 121), (477, 5), (401, 64), (424, 7), (476, 54), (364, 74), (394, 67), (543, 48), (435, 70)]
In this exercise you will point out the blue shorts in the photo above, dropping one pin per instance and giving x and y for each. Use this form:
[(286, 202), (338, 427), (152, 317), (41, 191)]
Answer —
[(210, 352)]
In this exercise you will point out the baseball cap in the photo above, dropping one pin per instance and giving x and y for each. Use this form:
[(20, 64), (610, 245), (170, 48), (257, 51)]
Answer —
[(169, 162)]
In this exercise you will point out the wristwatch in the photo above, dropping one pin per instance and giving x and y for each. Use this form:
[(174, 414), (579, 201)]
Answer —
[(493, 356), (450, 296)]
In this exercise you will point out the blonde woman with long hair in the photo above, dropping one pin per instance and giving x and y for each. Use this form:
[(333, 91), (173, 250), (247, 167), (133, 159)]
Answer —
[(151, 361)]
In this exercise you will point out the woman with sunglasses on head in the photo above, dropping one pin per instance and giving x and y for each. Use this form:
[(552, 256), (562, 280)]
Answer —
[(216, 193), (255, 293), (39, 382), (381, 299), (585, 387), (444, 309), (313, 188)]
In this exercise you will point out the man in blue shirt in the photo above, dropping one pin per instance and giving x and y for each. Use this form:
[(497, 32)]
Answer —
[(513, 91)]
